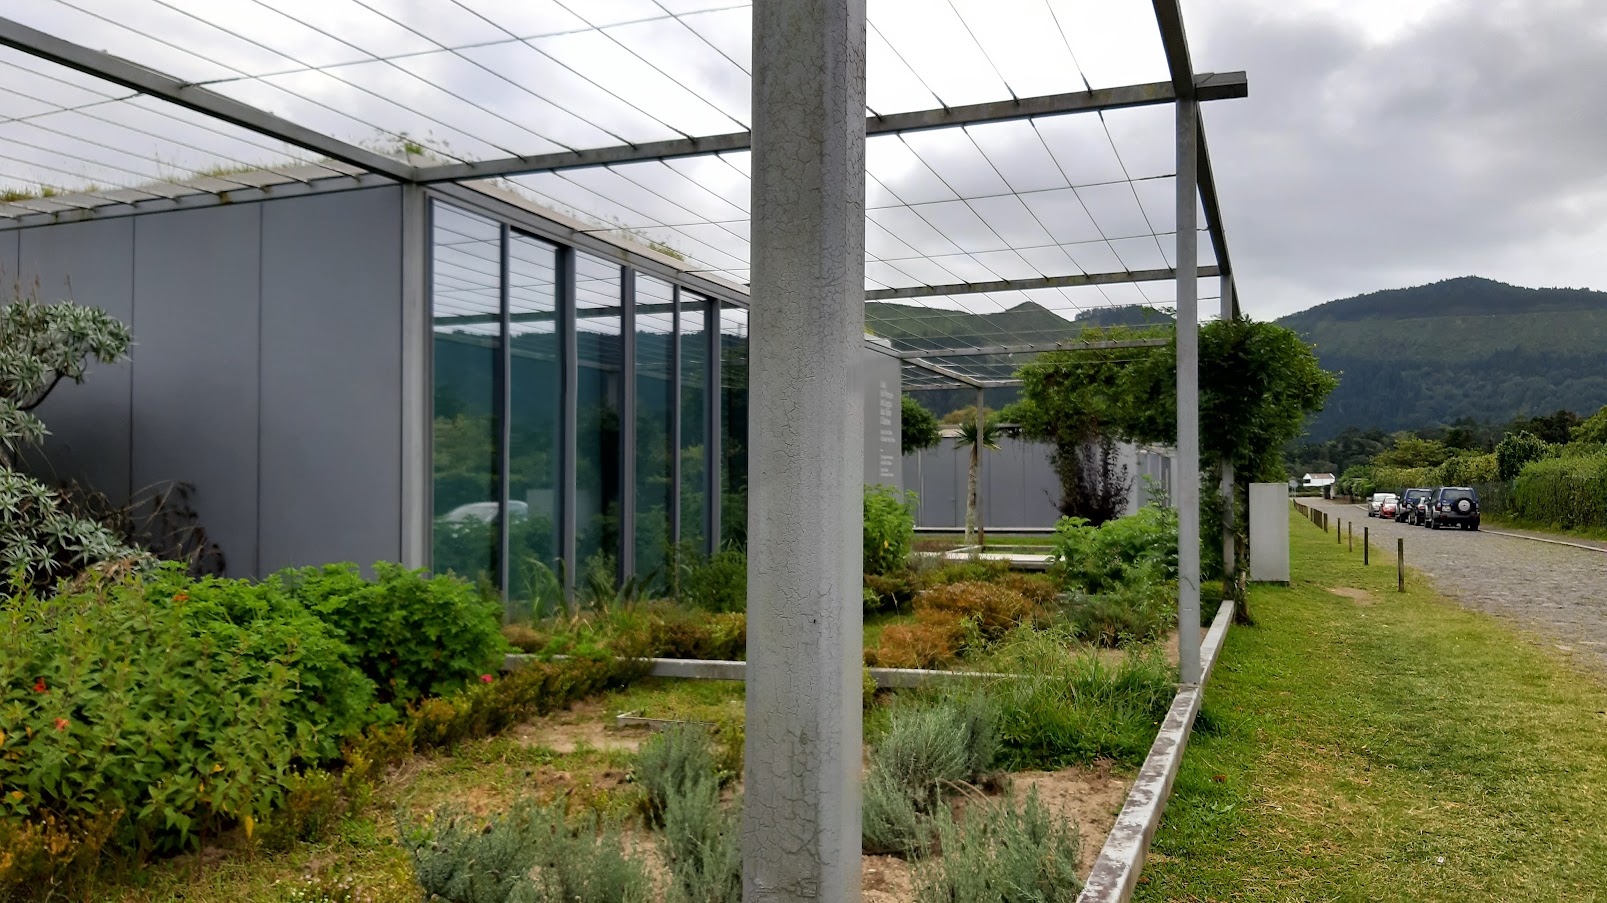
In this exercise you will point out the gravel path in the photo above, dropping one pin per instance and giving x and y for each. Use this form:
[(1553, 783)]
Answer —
[(1557, 591)]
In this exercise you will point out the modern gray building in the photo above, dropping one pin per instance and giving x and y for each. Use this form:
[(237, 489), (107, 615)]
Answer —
[(451, 378)]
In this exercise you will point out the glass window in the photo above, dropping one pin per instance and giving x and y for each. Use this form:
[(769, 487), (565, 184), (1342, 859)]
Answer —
[(535, 402), (733, 426), (466, 311), (655, 409), (597, 440), (694, 419)]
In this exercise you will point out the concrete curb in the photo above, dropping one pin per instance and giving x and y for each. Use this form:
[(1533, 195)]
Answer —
[(1115, 872), (703, 669)]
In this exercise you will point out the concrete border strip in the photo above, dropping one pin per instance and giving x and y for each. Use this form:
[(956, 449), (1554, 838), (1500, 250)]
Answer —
[(1115, 872), (706, 669)]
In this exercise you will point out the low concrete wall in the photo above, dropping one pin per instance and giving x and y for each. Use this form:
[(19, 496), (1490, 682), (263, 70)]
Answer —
[(1116, 871), (706, 669)]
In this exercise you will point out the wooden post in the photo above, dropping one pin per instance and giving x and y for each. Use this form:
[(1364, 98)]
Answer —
[(1366, 547), (1350, 535), (1400, 565), (1338, 537)]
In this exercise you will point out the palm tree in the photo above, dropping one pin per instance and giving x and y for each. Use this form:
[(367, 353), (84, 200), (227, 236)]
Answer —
[(991, 432)]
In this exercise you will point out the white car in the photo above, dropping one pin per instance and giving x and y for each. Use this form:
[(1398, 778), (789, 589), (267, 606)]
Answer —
[(485, 512), (1377, 502)]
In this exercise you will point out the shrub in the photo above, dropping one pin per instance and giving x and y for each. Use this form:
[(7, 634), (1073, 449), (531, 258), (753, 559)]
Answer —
[(1002, 853), (1039, 589), (1069, 707), (334, 700), (982, 570), (929, 748), (42, 345), (132, 721), (643, 629), (995, 610), (414, 634), (1123, 551), (526, 855), (1129, 614), (1567, 492), (892, 590), (889, 529), (933, 641), (702, 844), (717, 583), (668, 762)]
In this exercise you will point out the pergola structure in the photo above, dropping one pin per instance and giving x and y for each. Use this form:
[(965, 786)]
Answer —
[(961, 177)]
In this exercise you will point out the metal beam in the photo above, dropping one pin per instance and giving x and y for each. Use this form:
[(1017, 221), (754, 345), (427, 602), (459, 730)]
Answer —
[(1034, 348), (1185, 86), (1019, 285), (210, 103), (1208, 86), (943, 371)]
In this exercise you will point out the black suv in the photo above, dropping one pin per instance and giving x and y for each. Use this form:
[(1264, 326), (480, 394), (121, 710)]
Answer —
[(1454, 505), (1410, 511)]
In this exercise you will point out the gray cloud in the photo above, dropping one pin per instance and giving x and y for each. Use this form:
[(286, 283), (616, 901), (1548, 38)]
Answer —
[(1470, 141)]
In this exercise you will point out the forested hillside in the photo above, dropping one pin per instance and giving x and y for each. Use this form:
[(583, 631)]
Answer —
[(1464, 348)]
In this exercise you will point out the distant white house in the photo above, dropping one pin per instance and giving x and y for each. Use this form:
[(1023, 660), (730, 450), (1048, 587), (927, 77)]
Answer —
[(1318, 480)]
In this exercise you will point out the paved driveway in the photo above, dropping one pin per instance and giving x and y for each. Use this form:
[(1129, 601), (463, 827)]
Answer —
[(1557, 591)]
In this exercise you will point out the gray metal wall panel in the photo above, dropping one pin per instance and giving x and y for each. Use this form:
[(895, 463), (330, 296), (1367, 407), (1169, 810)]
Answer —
[(91, 263), (1018, 488), (8, 257), (331, 379), (196, 317)]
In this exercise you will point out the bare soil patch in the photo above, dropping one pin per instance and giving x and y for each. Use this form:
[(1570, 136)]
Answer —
[(587, 725), (1359, 596)]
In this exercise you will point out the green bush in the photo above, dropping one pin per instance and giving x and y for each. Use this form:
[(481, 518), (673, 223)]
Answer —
[(414, 634), (889, 529), (1565, 492), (139, 722), (1121, 552), (1126, 614), (1071, 708), (531, 854), (1516, 450), (716, 583), (1004, 854)]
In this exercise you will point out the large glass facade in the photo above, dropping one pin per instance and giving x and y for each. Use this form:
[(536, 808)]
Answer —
[(733, 426), (466, 315), (549, 360), (535, 425), (655, 413), (600, 383)]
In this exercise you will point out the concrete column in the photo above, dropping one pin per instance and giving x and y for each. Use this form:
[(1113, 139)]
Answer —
[(801, 817), (1188, 396), (418, 344)]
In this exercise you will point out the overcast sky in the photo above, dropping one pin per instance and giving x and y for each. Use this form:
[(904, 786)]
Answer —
[(1388, 143), (1385, 143)]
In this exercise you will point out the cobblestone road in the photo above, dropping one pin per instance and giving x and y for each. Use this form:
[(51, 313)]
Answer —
[(1556, 591)]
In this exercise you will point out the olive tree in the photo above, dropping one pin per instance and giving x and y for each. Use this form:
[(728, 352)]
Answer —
[(42, 346)]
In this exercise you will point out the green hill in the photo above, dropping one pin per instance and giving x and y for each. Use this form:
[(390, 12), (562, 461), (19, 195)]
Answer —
[(1467, 347)]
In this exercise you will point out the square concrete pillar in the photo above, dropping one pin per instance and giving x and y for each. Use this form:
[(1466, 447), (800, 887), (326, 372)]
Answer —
[(801, 816)]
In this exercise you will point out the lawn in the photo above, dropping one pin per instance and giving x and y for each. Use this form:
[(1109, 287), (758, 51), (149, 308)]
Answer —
[(1372, 745)]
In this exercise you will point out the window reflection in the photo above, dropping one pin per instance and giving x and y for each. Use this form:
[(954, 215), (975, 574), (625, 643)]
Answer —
[(597, 440), (655, 408), (694, 420), (466, 318), (535, 402)]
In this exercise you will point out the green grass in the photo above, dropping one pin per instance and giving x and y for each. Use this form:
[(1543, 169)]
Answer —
[(1397, 748)]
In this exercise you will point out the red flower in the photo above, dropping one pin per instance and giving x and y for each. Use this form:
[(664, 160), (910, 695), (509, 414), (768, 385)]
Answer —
[(486, 678), (61, 724), (39, 686), (181, 597)]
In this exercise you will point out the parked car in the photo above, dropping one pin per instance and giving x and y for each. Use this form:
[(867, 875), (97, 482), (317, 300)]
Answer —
[(1411, 510), (1387, 507), (1374, 503), (1454, 506)]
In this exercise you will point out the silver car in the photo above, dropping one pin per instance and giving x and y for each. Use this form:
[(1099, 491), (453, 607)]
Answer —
[(1377, 502)]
